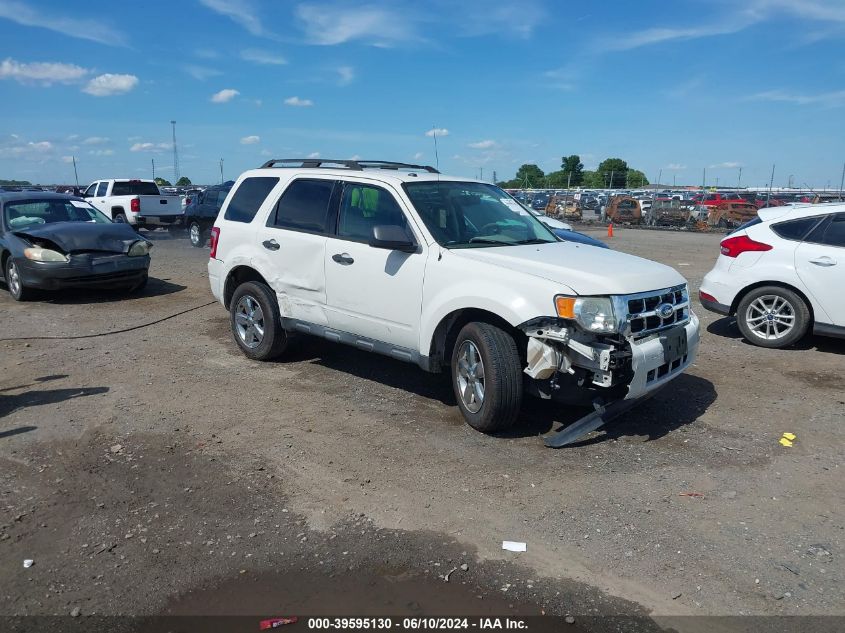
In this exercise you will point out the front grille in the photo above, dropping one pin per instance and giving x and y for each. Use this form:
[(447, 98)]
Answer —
[(643, 316), (105, 277)]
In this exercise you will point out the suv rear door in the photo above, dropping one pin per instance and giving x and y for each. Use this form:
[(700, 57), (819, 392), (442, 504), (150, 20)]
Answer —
[(374, 293), (820, 263)]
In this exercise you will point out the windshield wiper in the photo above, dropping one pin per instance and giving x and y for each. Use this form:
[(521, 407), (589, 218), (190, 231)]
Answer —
[(487, 240), (533, 241)]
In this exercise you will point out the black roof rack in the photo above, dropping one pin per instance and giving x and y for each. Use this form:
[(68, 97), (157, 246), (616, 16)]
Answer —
[(354, 165)]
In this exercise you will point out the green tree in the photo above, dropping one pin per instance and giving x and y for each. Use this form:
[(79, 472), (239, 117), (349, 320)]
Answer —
[(616, 169), (184, 181), (636, 178), (572, 165), (530, 176), (161, 182), (594, 180)]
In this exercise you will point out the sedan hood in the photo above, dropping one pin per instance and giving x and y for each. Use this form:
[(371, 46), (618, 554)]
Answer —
[(585, 269), (84, 236)]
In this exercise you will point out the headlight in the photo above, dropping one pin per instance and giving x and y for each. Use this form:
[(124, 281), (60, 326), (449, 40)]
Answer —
[(139, 249), (594, 314), (39, 254)]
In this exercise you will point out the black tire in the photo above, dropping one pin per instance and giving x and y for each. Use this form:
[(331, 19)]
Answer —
[(17, 291), (121, 218), (197, 235), (796, 306), (274, 341), (501, 373)]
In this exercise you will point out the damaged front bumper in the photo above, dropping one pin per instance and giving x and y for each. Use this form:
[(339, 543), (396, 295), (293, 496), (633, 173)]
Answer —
[(85, 271)]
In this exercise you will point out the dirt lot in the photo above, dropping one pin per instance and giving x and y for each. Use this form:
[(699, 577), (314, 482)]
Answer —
[(160, 471)]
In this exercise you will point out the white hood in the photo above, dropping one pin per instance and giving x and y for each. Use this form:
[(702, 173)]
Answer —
[(585, 269)]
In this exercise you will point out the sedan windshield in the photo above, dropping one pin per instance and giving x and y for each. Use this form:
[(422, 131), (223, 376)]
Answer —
[(22, 214), (472, 214)]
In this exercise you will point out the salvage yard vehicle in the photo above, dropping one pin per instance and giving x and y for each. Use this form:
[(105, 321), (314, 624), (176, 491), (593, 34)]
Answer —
[(136, 202), (668, 212), (202, 211), (781, 273), (449, 274), (624, 210), (50, 241), (731, 214)]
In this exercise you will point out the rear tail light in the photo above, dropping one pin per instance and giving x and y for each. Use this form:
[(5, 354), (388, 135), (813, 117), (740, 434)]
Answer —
[(135, 205), (734, 246), (215, 235), (703, 296)]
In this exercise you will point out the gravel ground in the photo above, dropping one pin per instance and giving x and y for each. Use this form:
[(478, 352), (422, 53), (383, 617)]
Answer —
[(160, 471)]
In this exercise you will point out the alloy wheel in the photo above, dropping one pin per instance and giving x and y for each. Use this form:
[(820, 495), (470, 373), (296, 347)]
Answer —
[(770, 317), (249, 321), (470, 376)]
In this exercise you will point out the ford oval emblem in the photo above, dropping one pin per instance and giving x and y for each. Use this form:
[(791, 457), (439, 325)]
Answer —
[(665, 310)]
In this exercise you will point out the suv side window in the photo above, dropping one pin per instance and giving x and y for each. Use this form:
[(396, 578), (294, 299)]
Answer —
[(831, 233), (221, 197), (249, 197), (101, 188), (304, 206), (795, 229), (362, 207)]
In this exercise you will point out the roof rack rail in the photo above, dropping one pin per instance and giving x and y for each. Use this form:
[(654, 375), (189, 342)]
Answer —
[(354, 165)]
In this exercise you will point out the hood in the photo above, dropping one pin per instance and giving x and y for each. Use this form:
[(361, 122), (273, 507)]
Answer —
[(585, 269), (84, 236)]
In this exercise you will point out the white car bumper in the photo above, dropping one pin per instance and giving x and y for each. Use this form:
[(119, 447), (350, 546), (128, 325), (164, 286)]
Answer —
[(216, 278), (652, 369)]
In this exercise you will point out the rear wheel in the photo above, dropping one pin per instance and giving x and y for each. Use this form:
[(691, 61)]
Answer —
[(196, 235), (487, 377), (14, 283), (256, 323), (121, 218), (772, 316)]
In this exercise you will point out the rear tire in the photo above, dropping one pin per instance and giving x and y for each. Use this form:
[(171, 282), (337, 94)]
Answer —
[(16, 288), (772, 317), (120, 218), (256, 323), (197, 235), (487, 377)]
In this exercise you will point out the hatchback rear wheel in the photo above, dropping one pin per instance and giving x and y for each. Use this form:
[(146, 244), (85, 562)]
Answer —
[(773, 316)]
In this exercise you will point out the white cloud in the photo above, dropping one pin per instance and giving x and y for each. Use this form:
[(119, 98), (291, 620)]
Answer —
[(674, 167), (499, 17), (438, 131), (201, 73), (150, 147), (224, 96), (329, 25), (41, 145), (314, 155), (346, 75), (110, 84), (726, 165), (86, 29), (418, 155), (488, 144), (250, 140), (263, 57), (829, 99), (242, 12), (43, 73), (266, 152), (28, 150), (96, 140), (298, 103), (67, 159), (101, 152)]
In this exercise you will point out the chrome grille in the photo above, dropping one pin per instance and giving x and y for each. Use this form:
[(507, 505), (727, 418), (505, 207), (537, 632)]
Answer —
[(642, 311)]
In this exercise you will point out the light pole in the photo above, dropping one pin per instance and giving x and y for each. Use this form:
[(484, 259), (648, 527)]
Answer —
[(221, 171)]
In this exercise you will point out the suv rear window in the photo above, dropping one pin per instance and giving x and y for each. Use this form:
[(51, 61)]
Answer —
[(795, 229), (140, 188), (304, 206), (249, 197)]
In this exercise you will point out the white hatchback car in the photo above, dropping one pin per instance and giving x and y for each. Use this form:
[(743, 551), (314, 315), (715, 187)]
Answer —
[(782, 273)]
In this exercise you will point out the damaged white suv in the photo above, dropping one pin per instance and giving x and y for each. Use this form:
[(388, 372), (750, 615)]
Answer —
[(448, 274)]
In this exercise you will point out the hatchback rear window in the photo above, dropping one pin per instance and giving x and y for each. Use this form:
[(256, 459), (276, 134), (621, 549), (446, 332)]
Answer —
[(795, 229), (130, 188), (249, 197)]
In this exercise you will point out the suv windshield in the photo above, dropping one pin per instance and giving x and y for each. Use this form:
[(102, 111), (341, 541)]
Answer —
[(473, 214), (28, 213), (134, 188)]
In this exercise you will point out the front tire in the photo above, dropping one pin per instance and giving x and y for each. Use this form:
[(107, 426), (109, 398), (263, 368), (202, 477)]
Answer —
[(487, 377), (256, 323), (773, 317), (13, 282), (196, 235)]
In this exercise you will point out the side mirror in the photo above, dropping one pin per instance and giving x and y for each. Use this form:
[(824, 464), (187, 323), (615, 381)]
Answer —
[(392, 238)]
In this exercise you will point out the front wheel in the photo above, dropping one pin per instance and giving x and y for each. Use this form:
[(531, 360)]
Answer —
[(256, 323), (772, 317), (196, 234), (487, 377), (14, 283)]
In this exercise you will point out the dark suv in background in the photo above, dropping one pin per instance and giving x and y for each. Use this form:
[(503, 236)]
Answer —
[(202, 211)]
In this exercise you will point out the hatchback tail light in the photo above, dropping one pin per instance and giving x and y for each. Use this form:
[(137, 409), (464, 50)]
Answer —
[(734, 246), (135, 205), (213, 237)]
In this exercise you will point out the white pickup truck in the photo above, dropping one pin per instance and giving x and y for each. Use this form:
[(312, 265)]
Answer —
[(136, 202)]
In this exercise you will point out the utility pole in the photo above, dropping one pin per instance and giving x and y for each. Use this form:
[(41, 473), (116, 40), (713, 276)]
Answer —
[(175, 155), (739, 180), (482, 173), (153, 160), (568, 179), (842, 182), (221, 171), (495, 177), (704, 179), (771, 182), (611, 179), (659, 176), (789, 182), (436, 155), (75, 175)]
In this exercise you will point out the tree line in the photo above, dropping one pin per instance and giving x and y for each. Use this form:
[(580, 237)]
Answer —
[(612, 173), (184, 181)]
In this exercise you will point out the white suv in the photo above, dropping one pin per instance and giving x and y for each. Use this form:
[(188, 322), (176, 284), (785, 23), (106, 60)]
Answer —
[(445, 273), (781, 273)]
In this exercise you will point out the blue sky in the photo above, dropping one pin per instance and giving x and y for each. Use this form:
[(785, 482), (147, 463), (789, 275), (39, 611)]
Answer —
[(674, 86)]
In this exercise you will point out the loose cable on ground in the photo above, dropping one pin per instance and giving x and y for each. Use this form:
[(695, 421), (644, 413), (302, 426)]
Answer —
[(128, 329)]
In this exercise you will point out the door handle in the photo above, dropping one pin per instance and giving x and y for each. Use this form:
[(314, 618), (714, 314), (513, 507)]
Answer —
[(343, 258), (824, 261), (270, 245)]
